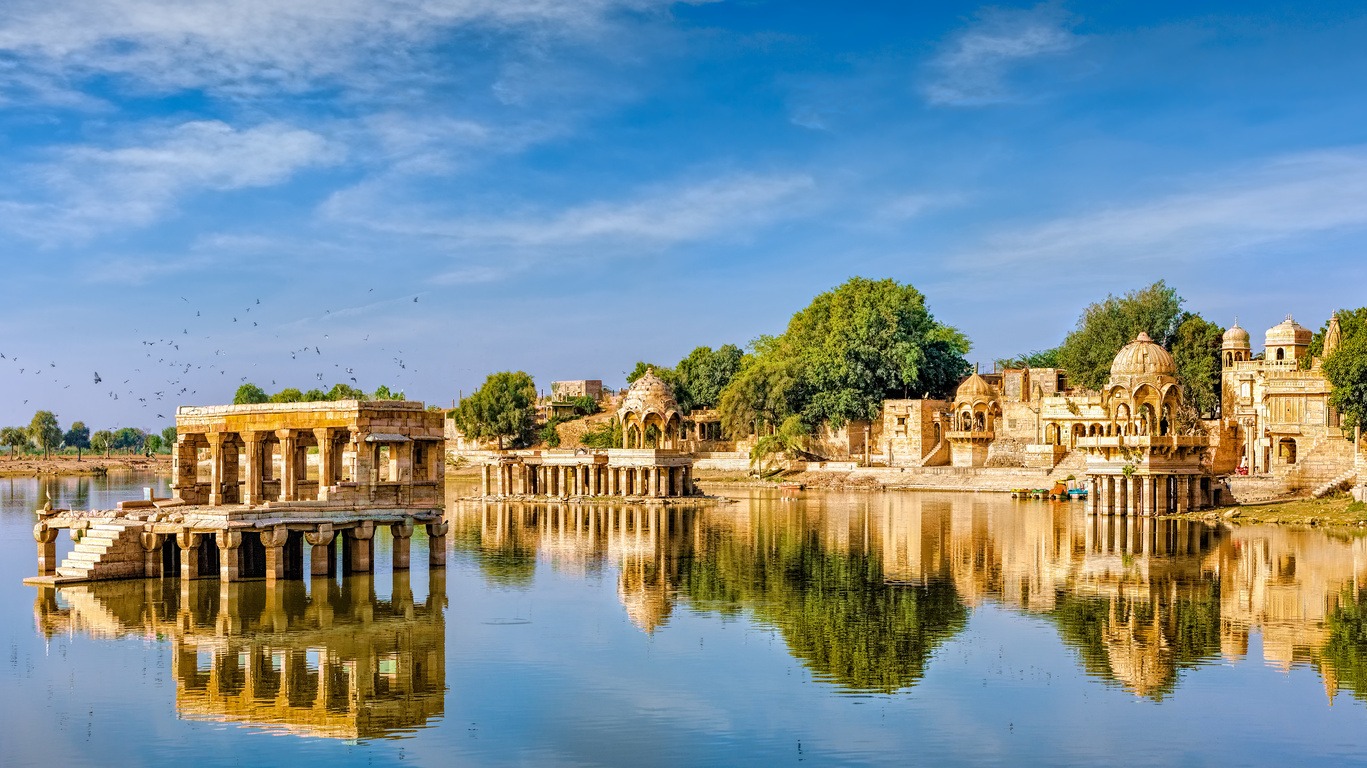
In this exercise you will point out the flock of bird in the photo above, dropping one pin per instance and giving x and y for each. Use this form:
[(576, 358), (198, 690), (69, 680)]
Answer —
[(174, 368)]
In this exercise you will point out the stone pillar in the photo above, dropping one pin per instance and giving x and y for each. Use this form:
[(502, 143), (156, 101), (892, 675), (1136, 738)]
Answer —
[(1183, 494), (46, 536), (436, 544), (289, 478), (688, 481), (1109, 480), (151, 554), (484, 480), (403, 539), (229, 555), (274, 540), (325, 460), (188, 542), (215, 468), (320, 541), (252, 488), (360, 540)]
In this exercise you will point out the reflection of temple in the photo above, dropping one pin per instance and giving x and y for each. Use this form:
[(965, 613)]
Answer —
[(337, 663)]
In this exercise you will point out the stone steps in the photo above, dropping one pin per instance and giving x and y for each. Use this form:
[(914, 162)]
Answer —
[(107, 550), (1341, 483)]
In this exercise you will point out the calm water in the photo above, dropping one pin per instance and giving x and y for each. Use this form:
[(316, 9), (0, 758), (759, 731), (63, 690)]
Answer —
[(833, 629)]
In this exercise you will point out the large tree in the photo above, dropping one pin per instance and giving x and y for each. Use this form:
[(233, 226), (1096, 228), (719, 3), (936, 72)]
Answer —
[(129, 438), (168, 436), (1108, 325), (14, 437), (852, 348), (77, 437), (45, 432), (1196, 351), (102, 441), (504, 407), (705, 373), (249, 394), (1346, 368)]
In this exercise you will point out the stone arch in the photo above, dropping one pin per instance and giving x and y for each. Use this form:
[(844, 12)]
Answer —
[(1286, 450), (1281, 353)]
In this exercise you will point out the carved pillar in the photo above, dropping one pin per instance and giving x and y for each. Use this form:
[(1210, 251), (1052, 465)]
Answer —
[(46, 537), (1183, 490), (229, 555), (252, 488), (320, 549), (359, 541), (326, 449), (151, 554), (484, 480), (436, 544), (403, 538), (188, 541), (288, 467), (274, 540), (215, 469)]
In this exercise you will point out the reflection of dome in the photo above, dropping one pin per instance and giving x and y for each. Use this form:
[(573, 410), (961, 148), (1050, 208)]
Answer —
[(1236, 337), (649, 394), (975, 387), (1142, 357), (648, 605), (1288, 333)]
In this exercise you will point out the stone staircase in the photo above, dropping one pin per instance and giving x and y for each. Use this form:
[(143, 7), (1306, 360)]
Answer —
[(1341, 483), (108, 550)]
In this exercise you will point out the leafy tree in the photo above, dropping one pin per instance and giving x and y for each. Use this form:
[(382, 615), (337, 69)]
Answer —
[(549, 435), (168, 436), (249, 394), (764, 392), (102, 441), (77, 437), (504, 407), (1196, 351), (45, 432), (288, 395), (705, 373), (583, 405), (786, 440), (152, 444), (383, 392), (14, 437), (1350, 321), (1040, 358), (130, 439), (341, 391), (609, 435), (314, 395), (1105, 327), (1346, 369)]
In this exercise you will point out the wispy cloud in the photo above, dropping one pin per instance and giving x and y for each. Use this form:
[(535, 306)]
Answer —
[(283, 43), (973, 67), (83, 190), (1284, 199)]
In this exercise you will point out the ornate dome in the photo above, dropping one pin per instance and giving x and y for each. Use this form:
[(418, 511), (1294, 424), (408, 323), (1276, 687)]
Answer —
[(974, 387), (649, 394), (1288, 333), (1236, 337), (1142, 357)]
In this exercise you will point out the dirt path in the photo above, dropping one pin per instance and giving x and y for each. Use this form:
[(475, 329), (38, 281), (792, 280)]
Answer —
[(28, 466)]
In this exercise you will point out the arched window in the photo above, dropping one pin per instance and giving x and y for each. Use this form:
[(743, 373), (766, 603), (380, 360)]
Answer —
[(1286, 450), (1281, 353)]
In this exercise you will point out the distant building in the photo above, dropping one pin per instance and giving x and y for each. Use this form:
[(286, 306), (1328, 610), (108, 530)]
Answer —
[(568, 390)]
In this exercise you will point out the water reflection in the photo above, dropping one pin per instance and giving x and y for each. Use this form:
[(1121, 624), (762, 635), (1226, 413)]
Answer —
[(339, 662), (865, 588)]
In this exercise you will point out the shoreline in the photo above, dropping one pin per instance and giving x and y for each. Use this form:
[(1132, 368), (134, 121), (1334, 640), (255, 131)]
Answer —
[(88, 466)]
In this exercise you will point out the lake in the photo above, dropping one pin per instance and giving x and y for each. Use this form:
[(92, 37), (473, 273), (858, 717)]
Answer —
[(829, 629)]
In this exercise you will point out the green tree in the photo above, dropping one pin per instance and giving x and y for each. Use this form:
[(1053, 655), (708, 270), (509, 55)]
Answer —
[(705, 373), (102, 441), (1350, 320), (45, 432), (130, 439), (609, 435), (249, 394), (314, 395), (168, 436), (1196, 351), (152, 444), (1106, 326), (14, 437), (77, 437), (503, 408), (288, 395), (766, 391), (341, 391), (787, 440), (1040, 358), (1346, 369), (383, 392)]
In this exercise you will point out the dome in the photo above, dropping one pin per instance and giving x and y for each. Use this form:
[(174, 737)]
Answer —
[(1236, 337), (975, 387), (1288, 333), (649, 394), (1142, 357)]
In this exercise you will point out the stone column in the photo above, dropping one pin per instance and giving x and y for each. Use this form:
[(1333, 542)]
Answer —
[(360, 540), (188, 542), (688, 481), (229, 555), (274, 540), (436, 544), (484, 480), (46, 536), (288, 477), (215, 468), (185, 468), (403, 539), (320, 541), (325, 460), (1183, 488), (151, 554), (252, 488)]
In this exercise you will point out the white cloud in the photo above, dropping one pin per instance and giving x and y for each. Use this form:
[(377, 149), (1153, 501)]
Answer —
[(1285, 199), (972, 68), (290, 43), (84, 190)]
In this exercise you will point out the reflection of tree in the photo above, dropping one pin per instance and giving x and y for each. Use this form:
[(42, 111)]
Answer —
[(506, 561), (1139, 643), (1345, 655), (834, 609)]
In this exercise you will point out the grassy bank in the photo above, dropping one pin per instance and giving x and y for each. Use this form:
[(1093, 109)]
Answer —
[(1339, 510)]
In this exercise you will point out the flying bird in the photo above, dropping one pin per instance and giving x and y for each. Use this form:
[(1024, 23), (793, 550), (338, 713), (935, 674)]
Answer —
[(97, 377)]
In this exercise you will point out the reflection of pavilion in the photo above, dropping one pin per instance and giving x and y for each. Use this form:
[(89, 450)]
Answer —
[(338, 663)]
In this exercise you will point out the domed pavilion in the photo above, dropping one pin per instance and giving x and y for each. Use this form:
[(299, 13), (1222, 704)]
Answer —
[(976, 409), (649, 414)]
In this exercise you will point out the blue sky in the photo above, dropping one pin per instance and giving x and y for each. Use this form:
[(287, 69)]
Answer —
[(568, 187)]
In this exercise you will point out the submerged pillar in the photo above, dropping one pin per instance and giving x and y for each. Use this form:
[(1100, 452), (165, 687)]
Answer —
[(320, 550), (360, 542), (151, 553), (46, 537), (274, 540), (229, 555), (436, 544), (403, 539), (188, 541)]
